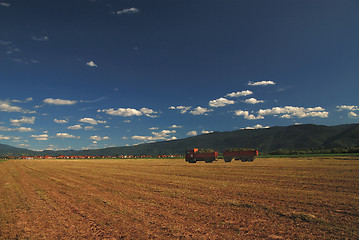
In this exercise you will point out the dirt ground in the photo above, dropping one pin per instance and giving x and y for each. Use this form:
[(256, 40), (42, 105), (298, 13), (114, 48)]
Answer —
[(287, 198)]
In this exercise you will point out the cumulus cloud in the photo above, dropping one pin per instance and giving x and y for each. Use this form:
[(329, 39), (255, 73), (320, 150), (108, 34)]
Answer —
[(60, 121), (349, 108), (148, 112), (206, 132), (162, 135), (29, 99), (2, 137), (65, 135), (91, 121), (183, 109), (291, 112), (75, 127), (220, 102), (253, 101), (128, 11), (200, 111), (258, 126), (42, 137), (19, 129), (5, 106), (176, 126), (239, 94), (59, 101), (247, 115), (91, 64), (98, 138), (129, 112), (261, 83), (352, 115), (23, 120), (192, 133)]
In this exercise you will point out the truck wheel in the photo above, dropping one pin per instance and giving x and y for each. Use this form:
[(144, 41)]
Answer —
[(227, 159)]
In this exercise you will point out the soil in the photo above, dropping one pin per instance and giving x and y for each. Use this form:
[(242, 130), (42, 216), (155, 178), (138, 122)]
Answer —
[(287, 198)]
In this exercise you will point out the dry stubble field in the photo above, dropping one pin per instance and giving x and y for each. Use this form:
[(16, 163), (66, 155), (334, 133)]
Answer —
[(296, 198)]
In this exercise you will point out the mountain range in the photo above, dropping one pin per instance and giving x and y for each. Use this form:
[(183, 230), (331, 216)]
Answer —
[(295, 137)]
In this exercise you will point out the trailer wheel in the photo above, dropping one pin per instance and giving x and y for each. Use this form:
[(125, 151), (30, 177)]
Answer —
[(192, 160), (227, 159)]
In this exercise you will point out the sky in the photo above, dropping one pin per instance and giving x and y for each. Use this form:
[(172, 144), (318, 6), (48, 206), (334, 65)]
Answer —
[(89, 74)]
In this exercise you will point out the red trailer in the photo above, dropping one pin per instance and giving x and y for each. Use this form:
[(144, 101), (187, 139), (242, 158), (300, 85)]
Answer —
[(193, 155), (243, 155)]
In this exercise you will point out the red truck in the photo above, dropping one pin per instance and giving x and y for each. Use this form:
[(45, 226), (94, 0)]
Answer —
[(193, 155), (243, 155)]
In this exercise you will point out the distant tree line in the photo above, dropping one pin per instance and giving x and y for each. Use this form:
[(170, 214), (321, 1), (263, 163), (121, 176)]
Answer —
[(314, 151)]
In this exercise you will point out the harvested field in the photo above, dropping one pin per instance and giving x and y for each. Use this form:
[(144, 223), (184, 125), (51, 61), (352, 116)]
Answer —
[(286, 198)]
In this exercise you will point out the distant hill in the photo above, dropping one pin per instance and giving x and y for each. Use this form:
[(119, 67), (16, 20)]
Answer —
[(295, 137), (6, 150)]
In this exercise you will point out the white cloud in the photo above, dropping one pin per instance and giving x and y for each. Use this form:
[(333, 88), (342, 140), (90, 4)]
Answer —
[(19, 129), (183, 109), (148, 112), (206, 132), (40, 39), (239, 94), (23, 129), (128, 11), (29, 99), (90, 128), (65, 135), (129, 112), (261, 83), (91, 64), (352, 115), (42, 137), (163, 135), (96, 138), (258, 126), (23, 145), (253, 101), (2, 137), (60, 121), (220, 102), (153, 128), (59, 101), (75, 127), (246, 115), (23, 120), (349, 108), (200, 111), (5, 4), (290, 112), (91, 121), (6, 107), (176, 126), (192, 133)]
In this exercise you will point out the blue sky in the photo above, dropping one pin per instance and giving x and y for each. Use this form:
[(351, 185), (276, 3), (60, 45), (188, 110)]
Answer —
[(97, 73)]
